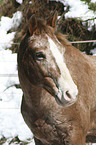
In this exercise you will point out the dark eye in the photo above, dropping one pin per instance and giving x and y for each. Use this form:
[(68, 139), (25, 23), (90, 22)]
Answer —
[(40, 56)]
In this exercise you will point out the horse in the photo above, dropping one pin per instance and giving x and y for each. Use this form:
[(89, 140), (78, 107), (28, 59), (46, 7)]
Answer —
[(58, 83)]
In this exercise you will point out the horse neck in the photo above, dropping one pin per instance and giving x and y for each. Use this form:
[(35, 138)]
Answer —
[(82, 69), (32, 94), (75, 59)]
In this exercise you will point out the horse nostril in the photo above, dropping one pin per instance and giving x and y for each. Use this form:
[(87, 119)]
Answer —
[(68, 94)]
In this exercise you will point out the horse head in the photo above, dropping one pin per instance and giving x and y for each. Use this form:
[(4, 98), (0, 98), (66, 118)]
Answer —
[(44, 62)]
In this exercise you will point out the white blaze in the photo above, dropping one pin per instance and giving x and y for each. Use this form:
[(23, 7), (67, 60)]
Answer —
[(65, 81)]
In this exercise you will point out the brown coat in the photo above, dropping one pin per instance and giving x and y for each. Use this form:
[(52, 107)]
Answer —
[(49, 122)]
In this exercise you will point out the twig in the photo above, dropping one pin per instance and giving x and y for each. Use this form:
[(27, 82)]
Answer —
[(17, 86)]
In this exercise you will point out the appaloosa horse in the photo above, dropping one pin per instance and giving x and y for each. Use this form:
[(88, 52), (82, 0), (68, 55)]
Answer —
[(59, 86)]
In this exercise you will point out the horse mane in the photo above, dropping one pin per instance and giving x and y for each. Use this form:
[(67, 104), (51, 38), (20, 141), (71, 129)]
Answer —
[(62, 38), (43, 27)]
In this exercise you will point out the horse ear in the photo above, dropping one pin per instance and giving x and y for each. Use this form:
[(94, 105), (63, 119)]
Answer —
[(52, 20), (32, 24)]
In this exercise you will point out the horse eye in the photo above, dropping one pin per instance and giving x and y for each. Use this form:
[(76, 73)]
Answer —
[(40, 56)]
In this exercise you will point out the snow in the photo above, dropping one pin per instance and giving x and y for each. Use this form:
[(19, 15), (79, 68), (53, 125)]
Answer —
[(93, 1), (11, 120), (93, 51), (79, 9), (20, 1), (7, 24)]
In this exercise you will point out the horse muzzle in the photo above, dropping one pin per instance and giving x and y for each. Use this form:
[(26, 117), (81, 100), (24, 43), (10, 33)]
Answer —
[(62, 97), (65, 98)]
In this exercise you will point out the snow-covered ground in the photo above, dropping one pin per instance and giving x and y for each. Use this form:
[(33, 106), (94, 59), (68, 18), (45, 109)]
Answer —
[(11, 121)]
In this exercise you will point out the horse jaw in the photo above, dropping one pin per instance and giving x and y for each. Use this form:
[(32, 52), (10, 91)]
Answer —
[(67, 89)]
